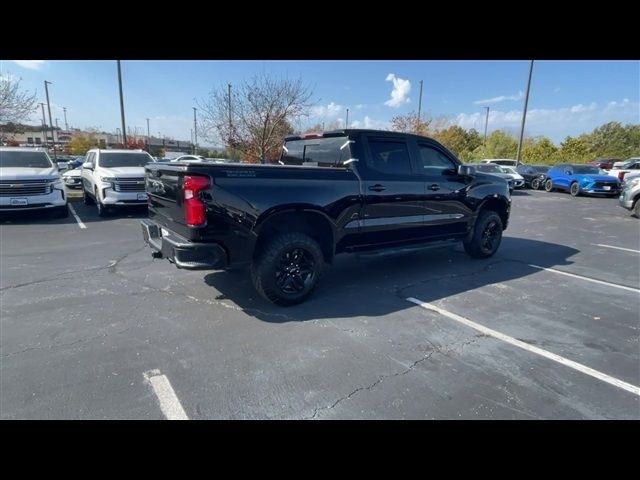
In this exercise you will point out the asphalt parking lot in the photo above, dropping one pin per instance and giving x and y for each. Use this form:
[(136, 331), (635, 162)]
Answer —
[(94, 328)]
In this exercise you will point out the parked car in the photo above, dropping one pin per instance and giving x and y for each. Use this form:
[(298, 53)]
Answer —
[(603, 163), (633, 165), (73, 178), (189, 158), (630, 195), (29, 180), (501, 161), (534, 175), (518, 180), (579, 178), (114, 178), (494, 169), (75, 163), (340, 191), (622, 162)]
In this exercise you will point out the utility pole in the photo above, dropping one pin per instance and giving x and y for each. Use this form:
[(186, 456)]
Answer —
[(323, 126), (66, 125), (53, 138), (195, 132), (124, 129), (148, 137), (44, 126), (346, 125), (57, 126), (486, 123), (420, 102), (524, 114)]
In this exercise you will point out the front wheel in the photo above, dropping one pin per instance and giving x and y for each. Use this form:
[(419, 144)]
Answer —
[(636, 209), (487, 235), (548, 186), (288, 268), (86, 198), (102, 210), (535, 184), (574, 189)]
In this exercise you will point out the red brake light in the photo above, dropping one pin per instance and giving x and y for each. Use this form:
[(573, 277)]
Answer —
[(194, 208), (312, 135)]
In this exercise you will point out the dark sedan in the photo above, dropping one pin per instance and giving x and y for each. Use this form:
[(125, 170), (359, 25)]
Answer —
[(534, 175)]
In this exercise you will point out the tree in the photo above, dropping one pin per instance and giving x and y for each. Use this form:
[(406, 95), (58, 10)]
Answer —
[(410, 123), (575, 150), (458, 140), (540, 152), (16, 105), (257, 116), (499, 145), (81, 143)]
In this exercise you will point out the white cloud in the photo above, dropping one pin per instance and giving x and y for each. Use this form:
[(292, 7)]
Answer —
[(400, 92), (30, 64), (328, 111), (359, 106), (570, 120), (501, 98), (368, 122)]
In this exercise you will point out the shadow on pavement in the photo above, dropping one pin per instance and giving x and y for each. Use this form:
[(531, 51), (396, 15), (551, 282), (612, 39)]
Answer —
[(371, 285)]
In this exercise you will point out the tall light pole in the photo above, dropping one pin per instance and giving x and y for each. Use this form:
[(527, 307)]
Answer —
[(524, 114), (44, 125), (53, 138), (57, 126), (195, 132), (486, 123), (124, 129), (346, 124), (66, 125), (230, 124), (420, 102), (148, 137)]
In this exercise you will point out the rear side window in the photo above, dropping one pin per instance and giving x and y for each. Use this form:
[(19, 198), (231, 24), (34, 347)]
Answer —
[(317, 152), (390, 157), (24, 159)]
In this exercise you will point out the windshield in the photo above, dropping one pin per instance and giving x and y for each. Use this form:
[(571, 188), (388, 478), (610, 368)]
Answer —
[(111, 160), (488, 168), (585, 169), (508, 169), (540, 169), (25, 159), (319, 152), (503, 162)]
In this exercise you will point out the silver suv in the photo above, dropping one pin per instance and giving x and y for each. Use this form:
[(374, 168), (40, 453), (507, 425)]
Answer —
[(30, 181), (114, 178), (630, 195)]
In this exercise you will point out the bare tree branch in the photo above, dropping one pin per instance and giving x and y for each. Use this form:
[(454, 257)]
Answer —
[(258, 115), (16, 105)]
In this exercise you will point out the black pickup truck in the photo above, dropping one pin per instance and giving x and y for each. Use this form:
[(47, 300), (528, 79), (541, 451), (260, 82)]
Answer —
[(340, 191)]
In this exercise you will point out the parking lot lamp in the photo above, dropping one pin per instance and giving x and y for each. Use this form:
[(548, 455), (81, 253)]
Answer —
[(124, 129), (524, 114), (53, 138)]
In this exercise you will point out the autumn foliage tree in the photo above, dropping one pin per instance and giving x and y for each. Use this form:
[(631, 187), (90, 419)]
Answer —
[(81, 143), (410, 123)]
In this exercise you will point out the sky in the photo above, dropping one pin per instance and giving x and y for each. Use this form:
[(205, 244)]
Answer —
[(566, 98)]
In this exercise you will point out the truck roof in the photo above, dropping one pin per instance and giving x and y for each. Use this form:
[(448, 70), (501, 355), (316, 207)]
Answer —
[(22, 149), (348, 131)]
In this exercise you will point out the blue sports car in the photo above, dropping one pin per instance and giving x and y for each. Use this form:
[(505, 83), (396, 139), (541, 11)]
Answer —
[(578, 179)]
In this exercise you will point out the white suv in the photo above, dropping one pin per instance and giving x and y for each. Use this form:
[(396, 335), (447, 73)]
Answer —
[(30, 181), (114, 178), (508, 162)]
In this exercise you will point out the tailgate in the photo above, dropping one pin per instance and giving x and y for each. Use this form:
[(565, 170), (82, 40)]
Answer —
[(163, 184)]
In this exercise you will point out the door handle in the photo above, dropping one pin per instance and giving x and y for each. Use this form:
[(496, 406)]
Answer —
[(434, 187), (377, 187)]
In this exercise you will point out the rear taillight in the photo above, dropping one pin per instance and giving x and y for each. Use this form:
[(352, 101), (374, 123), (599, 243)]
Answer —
[(194, 208)]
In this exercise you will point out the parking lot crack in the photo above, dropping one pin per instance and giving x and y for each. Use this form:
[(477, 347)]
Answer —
[(444, 349)]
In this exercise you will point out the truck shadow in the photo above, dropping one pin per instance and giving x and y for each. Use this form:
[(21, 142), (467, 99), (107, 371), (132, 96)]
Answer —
[(374, 285)]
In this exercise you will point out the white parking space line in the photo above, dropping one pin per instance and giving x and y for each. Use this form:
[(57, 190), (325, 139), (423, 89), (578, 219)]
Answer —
[(525, 346), (588, 279), (169, 403), (73, 212), (617, 248)]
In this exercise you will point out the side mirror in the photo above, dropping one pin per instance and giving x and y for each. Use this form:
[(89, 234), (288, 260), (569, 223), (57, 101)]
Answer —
[(87, 165), (465, 170)]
